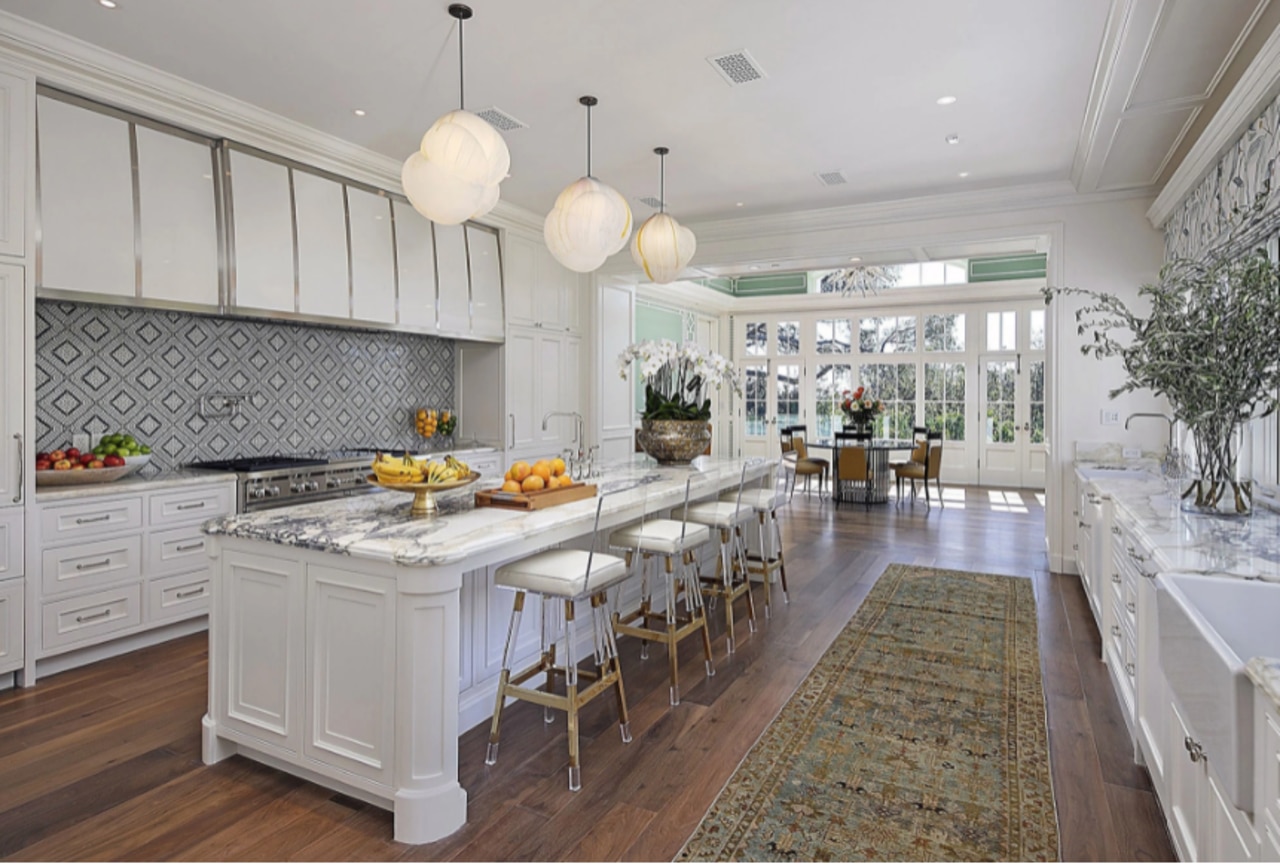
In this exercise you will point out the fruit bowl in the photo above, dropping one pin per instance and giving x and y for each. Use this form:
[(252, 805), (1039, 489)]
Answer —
[(62, 478), (424, 503), (137, 461)]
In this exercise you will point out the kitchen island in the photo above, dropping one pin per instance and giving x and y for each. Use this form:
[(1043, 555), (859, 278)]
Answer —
[(338, 630)]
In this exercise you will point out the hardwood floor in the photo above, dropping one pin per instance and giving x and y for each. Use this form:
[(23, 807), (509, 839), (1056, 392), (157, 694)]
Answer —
[(103, 763)]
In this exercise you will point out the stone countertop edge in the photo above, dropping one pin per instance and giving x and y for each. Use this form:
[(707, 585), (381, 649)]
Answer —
[(140, 482), (1264, 671)]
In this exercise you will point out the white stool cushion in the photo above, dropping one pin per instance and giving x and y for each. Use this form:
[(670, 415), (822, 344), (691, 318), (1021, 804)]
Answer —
[(562, 572), (717, 513), (754, 498), (660, 536)]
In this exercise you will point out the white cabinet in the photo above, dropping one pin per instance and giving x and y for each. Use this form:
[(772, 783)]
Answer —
[(415, 266), (540, 291), (86, 200), (486, 283), (11, 550), (520, 264), (16, 95), (177, 219), (1266, 777), (262, 234), (11, 618), (373, 272), (15, 458), (454, 282), (522, 384), (543, 375), (1154, 696), (324, 285)]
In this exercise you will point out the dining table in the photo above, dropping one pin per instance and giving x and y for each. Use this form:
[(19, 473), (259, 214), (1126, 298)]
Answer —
[(878, 451)]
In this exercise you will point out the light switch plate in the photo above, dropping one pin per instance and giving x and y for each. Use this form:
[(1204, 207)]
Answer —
[(1132, 452), (1111, 416)]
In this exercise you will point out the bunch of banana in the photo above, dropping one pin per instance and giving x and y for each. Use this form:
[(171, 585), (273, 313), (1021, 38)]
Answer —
[(439, 472), (396, 471), (460, 467)]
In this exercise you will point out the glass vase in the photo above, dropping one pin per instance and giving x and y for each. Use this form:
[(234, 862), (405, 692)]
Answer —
[(1219, 481)]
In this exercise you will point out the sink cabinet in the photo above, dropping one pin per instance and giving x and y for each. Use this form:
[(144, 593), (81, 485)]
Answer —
[(1266, 779), (1205, 826)]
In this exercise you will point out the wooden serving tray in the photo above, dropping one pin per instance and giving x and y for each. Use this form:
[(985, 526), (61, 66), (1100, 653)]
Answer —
[(497, 499)]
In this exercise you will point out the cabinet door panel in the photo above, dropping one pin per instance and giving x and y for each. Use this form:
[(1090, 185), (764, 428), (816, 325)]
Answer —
[(373, 277), (324, 285), (11, 620), (177, 222), (11, 523), (519, 271), (496, 603), (15, 96), (12, 390), (549, 393), (416, 266), (454, 280), (522, 383), (262, 232), (86, 200), (486, 283), (551, 292)]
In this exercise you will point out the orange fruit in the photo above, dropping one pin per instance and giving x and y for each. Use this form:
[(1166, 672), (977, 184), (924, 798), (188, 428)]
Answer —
[(543, 469), (557, 466), (533, 483), (519, 471), (507, 477), (510, 487), (565, 481)]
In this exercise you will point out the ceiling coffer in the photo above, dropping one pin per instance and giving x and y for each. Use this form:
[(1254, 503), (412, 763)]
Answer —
[(737, 67), (499, 119), (833, 178)]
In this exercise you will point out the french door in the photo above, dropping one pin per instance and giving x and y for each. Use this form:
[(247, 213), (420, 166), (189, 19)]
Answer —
[(1011, 420)]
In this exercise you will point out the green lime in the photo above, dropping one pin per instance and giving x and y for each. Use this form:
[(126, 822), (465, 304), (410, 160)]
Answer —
[(146, 450)]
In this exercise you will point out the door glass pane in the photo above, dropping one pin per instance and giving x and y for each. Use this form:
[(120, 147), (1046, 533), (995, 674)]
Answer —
[(878, 334), (788, 338), (944, 400), (756, 398), (895, 384), (1037, 402), (757, 338), (835, 336), (1000, 391), (1002, 331), (1037, 329), (788, 384), (944, 333), (831, 383)]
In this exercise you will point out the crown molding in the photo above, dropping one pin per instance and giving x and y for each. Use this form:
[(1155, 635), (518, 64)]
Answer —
[(686, 296), (71, 64), (1255, 90)]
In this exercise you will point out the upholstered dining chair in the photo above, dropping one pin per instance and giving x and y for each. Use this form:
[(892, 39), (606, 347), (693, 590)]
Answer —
[(919, 453), (930, 468), (796, 459), (853, 466)]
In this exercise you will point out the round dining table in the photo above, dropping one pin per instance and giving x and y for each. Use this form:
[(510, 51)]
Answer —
[(877, 460)]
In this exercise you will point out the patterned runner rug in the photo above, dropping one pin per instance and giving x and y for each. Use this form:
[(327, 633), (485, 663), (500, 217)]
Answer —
[(919, 736)]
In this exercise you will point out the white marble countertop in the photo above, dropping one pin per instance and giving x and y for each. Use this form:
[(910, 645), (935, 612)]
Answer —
[(378, 526), (143, 481), (1264, 671)]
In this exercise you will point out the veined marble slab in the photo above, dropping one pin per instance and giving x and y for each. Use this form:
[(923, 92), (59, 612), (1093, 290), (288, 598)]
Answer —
[(1264, 671), (139, 482), (378, 526)]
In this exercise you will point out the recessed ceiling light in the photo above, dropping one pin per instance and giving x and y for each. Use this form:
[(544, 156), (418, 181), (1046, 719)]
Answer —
[(108, 4), (855, 258), (739, 204), (359, 112), (964, 174), (753, 268), (946, 100), (953, 139)]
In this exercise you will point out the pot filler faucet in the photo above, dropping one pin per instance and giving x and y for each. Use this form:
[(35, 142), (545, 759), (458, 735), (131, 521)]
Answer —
[(577, 427), (1172, 459)]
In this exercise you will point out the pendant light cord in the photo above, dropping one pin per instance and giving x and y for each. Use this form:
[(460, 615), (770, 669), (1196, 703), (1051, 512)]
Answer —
[(588, 141), (462, 72), (662, 183)]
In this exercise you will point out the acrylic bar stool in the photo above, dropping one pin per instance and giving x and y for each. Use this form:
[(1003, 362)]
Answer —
[(730, 581), (563, 577), (674, 542), (763, 500)]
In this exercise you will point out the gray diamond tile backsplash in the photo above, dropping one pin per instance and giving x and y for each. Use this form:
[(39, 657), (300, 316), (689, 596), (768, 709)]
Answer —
[(310, 388)]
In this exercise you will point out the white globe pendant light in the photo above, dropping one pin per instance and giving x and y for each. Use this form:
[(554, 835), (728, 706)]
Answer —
[(590, 220), (662, 247), (454, 174)]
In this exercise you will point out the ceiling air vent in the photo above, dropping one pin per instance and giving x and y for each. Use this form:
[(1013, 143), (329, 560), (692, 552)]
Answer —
[(832, 178), (499, 119), (737, 67), (652, 201)]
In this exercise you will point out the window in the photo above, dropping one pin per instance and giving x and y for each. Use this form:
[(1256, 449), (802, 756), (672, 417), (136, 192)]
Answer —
[(755, 395), (944, 399), (944, 333), (1001, 384), (1037, 402), (895, 384), (757, 338), (1037, 329), (1002, 331), (835, 336), (877, 334), (788, 384), (831, 382), (788, 338)]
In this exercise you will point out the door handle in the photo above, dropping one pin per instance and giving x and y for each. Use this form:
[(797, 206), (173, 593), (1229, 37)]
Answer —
[(512, 416), (22, 468)]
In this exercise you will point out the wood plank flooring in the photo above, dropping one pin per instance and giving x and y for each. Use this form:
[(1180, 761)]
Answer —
[(103, 763)]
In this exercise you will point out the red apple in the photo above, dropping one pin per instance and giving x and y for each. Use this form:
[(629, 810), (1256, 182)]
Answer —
[(96, 464), (61, 463), (42, 456), (113, 461), (58, 455), (73, 454), (77, 466), (44, 464)]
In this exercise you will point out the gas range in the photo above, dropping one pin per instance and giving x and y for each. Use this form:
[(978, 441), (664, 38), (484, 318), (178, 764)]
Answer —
[(277, 480)]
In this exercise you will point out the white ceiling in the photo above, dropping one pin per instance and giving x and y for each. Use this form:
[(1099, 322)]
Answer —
[(852, 85)]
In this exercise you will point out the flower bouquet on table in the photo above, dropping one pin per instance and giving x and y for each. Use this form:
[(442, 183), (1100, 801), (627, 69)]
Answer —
[(860, 410)]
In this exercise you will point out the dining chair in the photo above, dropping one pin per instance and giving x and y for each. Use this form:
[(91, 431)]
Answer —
[(853, 465), (919, 454), (795, 454), (929, 468)]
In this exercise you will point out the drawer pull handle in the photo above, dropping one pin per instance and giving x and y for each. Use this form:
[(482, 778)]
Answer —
[(1115, 531), (1135, 555), (1084, 526), (1115, 577), (182, 507), (1194, 749), (193, 546), (94, 520), (96, 564), (89, 618), (1131, 607), (1131, 669), (189, 594), (1115, 630)]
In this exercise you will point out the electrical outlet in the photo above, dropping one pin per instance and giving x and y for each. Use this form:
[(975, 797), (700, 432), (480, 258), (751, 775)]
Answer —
[(1111, 416), (1132, 452), (81, 441)]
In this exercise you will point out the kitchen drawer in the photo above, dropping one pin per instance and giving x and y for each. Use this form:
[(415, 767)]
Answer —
[(189, 507), (182, 549), (91, 616), (11, 543), (71, 568), (76, 521), (179, 597)]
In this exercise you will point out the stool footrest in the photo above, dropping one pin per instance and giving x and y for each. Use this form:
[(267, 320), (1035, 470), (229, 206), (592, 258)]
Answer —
[(683, 629)]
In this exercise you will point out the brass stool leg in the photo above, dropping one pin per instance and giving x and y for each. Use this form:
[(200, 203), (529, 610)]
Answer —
[(605, 638), (693, 596), (645, 602), (782, 563), (550, 618), (724, 571), (491, 752), (740, 565), (765, 571), (571, 691)]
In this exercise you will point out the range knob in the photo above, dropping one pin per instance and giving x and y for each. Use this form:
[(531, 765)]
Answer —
[(256, 493), (332, 482), (312, 486), (273, 491)]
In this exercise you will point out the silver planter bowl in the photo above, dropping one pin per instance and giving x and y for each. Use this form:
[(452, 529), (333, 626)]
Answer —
[(674, 442)]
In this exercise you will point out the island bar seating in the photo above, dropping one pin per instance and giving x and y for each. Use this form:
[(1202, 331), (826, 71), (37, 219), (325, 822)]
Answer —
[(763, 500), (795, 456), (731, 579), (675, 542), (925, 464), (853, 467), (568, 576)]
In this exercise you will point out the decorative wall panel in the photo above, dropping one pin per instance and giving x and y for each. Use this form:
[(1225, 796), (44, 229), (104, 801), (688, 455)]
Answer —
[(310, 389)]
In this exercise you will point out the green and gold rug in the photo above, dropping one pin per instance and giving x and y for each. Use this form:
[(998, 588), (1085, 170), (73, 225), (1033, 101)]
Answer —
[(919, 736)]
